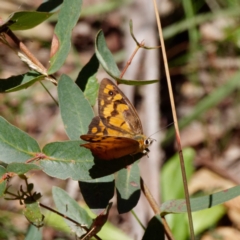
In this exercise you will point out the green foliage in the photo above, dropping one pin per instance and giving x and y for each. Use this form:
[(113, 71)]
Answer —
[(128, 188), (68, 17), (72, 210), (76, 111), (26, 20), (106, 59), (15, 145), (178, 222), (16, 83), (20, 153), (34, 233)]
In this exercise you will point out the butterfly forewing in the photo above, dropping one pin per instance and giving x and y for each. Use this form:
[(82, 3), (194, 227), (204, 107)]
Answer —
[(109, 147)]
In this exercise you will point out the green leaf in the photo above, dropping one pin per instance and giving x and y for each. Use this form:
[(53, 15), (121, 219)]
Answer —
[(105, 56), (98, 193), (155, 229), (71, 208), (107, 61), (67, 160), (57, 222), (75, 110), (128, 188), (26, 20), (87, 72), (172, 188), (201, 222), (34, 233), (67, 19), (111, 230), (3, 170), (91, 90), (200, 203), (15, 145), (3, 181), (33, 213), (50, 6), (207, 103), (21, 168), (20, 82)]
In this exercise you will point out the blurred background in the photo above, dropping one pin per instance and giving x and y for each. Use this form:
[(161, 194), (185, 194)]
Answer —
[(203, 43)]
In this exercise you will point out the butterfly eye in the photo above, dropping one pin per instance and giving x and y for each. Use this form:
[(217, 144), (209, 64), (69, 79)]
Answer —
[(148, 141)]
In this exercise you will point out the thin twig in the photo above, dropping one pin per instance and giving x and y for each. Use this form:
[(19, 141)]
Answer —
[(178, 139), (64, 216), (155, 208), (68, 218), (36, 157), (49, 93), (131, 58), (138, 220)]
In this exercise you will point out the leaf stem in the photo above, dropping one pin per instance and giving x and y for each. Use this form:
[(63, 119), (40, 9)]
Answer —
[(155, 208), (138, 220), (49, 93), (131, 58)]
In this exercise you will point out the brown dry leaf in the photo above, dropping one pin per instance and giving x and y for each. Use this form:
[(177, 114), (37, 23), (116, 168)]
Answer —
[(224, 233)]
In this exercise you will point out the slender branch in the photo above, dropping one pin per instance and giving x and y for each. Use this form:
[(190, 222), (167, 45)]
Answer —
[(64, 216), (178, 139), (36, 157), (131, 58), (155, 208), (138, 220), (56, 102), (68, 218)]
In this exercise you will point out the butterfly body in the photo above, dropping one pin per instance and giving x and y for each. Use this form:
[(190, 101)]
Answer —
[(117, 131)]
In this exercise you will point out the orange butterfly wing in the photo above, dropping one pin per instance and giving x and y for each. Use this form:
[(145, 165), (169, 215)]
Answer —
[(117, 131)]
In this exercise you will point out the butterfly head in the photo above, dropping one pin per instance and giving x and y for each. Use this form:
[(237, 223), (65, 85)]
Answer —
[(147, 143)]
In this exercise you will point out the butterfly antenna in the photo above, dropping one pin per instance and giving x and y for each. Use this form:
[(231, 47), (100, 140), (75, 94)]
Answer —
[(161, 129)]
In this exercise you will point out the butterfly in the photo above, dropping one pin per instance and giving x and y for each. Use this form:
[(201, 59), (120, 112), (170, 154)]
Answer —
[(117, 131)]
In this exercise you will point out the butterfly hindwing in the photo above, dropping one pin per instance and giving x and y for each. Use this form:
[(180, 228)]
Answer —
[(116, 111)]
